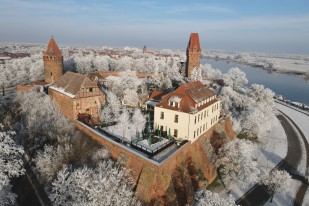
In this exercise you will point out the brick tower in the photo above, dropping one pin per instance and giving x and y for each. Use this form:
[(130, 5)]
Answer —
[(53, 62), (193, 54)]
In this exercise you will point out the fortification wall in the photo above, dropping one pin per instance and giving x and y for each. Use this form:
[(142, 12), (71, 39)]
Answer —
[(175, 180)]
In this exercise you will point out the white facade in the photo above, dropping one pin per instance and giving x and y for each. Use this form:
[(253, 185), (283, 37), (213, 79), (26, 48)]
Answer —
[(188, 126)]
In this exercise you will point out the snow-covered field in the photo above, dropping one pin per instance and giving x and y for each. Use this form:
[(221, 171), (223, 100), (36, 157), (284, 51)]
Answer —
[(295, 64)]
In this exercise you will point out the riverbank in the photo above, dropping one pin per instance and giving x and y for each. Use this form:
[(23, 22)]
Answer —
[(287, 64)]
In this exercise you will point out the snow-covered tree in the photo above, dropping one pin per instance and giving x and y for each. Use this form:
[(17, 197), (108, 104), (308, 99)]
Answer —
[(84, 64), (107, 184), (196, 74), (114, 106), (11, 165), (101, 63), (50, 160), (236, 163), (277, 181), (208, 198), (126, 81), (252, 110), (22, 70), (209, 72), (235, 78), (138, 120), (106, 115), (131, 97), (123, 120)]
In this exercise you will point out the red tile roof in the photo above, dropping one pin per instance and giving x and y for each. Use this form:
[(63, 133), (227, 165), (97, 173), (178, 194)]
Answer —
[(52, 49), (188, 95), (157, 95), (194, 40)]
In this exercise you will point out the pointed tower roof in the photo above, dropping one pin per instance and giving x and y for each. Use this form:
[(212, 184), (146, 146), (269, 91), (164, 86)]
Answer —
[(52, 48), (194, 40)]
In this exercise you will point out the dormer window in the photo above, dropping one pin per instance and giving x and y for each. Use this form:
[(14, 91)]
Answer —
[(176, 104), (170, 103)]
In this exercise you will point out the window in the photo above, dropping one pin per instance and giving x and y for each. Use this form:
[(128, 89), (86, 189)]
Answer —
[(194, 134), (170, 103), (161, 128), (195, 120), (176, 118), (51, 74), (201, 129), (204, 128), (176, 104), (90, 89), (205, 114), (197, 132), (162, 115), (175, 132)]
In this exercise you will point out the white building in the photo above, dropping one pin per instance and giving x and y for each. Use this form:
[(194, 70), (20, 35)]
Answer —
[(187, 112)]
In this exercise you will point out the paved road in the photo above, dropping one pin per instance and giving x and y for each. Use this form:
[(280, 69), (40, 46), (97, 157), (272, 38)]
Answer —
[(304, 186), (258, 194)]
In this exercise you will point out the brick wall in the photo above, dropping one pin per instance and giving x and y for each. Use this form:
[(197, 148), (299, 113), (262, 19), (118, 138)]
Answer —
[(64, 103), (53, 68), (173, 181)]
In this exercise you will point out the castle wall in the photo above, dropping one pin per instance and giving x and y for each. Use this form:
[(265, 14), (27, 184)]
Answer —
[(173, 181), (65, 103)]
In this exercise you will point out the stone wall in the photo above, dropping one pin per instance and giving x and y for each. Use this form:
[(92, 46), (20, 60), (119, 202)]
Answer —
[(175, 180)]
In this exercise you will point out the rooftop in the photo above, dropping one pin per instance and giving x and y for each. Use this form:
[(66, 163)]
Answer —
[(188, 96), (52, 49), (70, 83), (194, 41)]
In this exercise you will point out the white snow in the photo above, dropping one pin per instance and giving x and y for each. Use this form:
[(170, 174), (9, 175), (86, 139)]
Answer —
[(125, 133), (154, 146)]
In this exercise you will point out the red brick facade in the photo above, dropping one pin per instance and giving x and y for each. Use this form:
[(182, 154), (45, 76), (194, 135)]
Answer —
[(193, 54), (53, 62)]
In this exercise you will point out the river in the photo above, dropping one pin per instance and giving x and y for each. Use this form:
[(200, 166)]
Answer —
[(292, 87)]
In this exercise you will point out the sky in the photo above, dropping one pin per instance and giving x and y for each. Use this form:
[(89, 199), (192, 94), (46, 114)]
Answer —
[(274, 26)]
